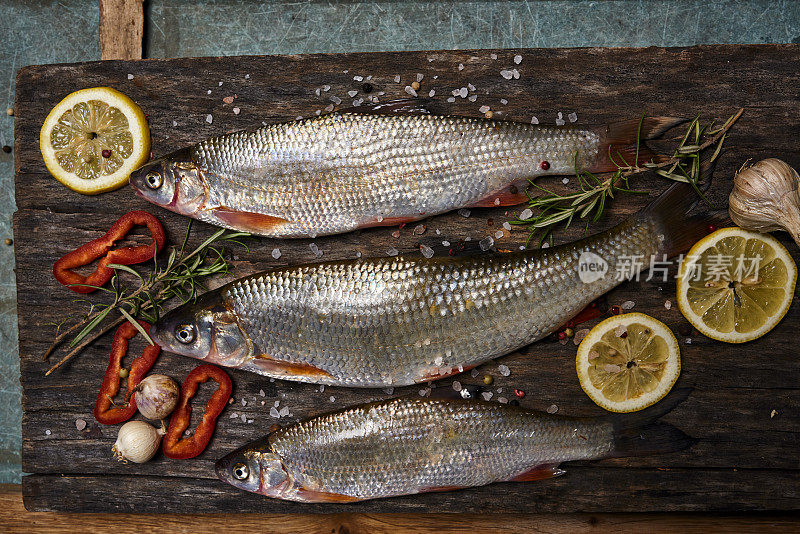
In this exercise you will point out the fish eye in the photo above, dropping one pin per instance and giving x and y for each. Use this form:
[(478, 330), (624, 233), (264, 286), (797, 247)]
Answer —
[(185, 333), (153, 180), (240, 471)]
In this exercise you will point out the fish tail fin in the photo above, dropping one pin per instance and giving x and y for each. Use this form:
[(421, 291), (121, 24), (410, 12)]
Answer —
[(641, 434), (625, 143), (671, 211)]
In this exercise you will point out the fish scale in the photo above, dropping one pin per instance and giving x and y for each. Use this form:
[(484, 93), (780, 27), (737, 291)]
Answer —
[(407, 446), (346, 170), (399, 321)]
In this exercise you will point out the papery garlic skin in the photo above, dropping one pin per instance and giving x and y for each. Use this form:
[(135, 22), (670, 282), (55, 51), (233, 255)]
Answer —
[(137, 442), (156, 396), (766, 197)]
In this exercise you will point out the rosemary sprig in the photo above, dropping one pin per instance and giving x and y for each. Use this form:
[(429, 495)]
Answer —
[(596, 192), (181, 277)]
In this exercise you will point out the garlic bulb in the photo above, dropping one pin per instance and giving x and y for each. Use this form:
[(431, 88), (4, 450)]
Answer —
[(156, 396), (137, 441), (765, 198)]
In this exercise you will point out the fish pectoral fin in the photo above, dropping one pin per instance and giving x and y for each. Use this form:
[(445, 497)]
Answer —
[(540, 472), (307, 495), (249, 221), (386, 221), (288, 369), (406, 106), (511, 195)]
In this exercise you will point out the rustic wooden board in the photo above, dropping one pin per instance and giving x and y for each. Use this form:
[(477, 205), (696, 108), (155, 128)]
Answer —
[(746, 458)]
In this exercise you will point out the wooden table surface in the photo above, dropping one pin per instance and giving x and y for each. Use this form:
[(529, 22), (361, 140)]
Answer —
[(745, 406)]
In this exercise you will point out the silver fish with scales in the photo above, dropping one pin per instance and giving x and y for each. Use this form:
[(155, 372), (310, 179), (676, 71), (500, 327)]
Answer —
[(399, 321), (406, 446), (378, 166)]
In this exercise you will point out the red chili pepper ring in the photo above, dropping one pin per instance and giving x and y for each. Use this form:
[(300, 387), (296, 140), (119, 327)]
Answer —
[(101, 248), (177, 448), (104, 410)]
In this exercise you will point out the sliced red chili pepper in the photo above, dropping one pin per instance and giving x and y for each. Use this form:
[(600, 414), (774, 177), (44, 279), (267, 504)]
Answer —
[(101, 248), (104, 410), (177, 448)]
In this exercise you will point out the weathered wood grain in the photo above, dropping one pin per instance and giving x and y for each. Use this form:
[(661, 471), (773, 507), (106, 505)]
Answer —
[(746, 458), (14, 517), (121, 29)]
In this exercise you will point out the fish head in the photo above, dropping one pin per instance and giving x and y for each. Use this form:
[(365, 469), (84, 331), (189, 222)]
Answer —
[(174, 182), (206, 330), (252, 469)]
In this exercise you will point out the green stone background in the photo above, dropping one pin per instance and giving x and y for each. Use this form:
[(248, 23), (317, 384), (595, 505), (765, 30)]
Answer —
[(36, 32)]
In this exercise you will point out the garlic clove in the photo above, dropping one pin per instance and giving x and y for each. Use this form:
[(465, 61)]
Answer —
[(156, 396), (137, 442), (766, 198)]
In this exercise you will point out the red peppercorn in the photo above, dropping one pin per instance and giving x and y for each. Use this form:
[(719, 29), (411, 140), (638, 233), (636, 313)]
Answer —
[(615, 310), (519, 393), (106, 153), (544, 165), (562, 335), (711, 228), (570, 324), (624, 335)]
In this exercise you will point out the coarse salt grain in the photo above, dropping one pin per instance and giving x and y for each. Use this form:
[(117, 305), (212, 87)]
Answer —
[(174, 123), (474, 373), (460, 66), (426, 251), (503, 101), (457, 385), (261, 393), (336, 100), (565, 181), (358, 78), (332, 398), (80, 424), (668, 304), (579, 335), (628, 305), (419, 229), (130, 76), (329, 108), (463, 92), (276, 253), (483, 109), (410, 90), (486, 243), (431, 92), (515, 74), (326, 88), (392, 251), (236, 111), (534, 120), (234, 415), (526, 214), (352, 93), (246, 76), (487, 395), (208, 92), (244, 418), (451, 99), (274, 412), (446, 243), (284, 411), (470, 87), (493, 56), (472, 98), (244, 402), (507, 74), (396, 233), (498, 234), (219, 84), (572, 117), (517, 59), (552, 408), (507, 226), (688, 341), (397, 79), (503, 370), (773, 413), (502, 400), (464, 212), (420, 76), (209, 118), (315, 249)]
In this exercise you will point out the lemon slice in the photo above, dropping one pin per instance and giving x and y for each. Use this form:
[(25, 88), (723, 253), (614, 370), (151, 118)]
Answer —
[(628, 362), (736, 285), (93, 139)]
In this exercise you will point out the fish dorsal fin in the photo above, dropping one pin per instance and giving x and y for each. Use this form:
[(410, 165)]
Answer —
[(403, 106)]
